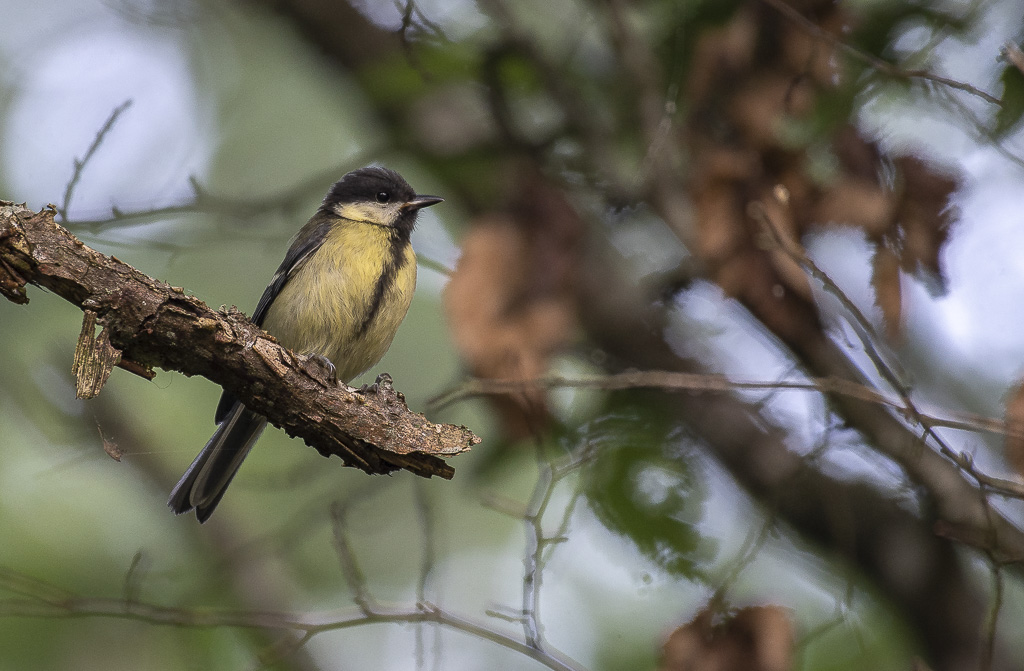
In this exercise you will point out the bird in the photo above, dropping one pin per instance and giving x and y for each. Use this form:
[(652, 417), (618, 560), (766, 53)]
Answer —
[(339, 296)]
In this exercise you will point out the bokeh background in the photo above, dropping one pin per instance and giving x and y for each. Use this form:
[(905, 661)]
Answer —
[(802, 193)]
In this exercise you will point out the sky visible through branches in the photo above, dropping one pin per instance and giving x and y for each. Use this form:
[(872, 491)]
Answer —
[(729, 289)]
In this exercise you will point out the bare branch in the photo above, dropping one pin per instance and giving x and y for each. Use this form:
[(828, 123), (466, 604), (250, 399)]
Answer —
[(349, 565), (712, 383), (154, 324), (204, 202), (80, 163), (425, 514), (992, 621), (874, 62), (309, 623), (1009, 542), (794, 251), (538, 544), (533, 522)]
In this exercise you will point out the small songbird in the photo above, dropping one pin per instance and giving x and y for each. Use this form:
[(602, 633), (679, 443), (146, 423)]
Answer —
[(340, 293)]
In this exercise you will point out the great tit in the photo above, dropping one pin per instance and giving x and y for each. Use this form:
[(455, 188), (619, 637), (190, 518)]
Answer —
[(340, 293)]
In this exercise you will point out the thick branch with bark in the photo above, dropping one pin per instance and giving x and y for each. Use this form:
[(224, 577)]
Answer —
[(147, 324), (885, 540)]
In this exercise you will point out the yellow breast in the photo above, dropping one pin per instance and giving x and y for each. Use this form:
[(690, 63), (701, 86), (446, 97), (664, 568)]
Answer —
[(328, 306)]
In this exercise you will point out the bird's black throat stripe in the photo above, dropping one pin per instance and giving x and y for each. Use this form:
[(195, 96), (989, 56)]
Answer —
[(392, 264)]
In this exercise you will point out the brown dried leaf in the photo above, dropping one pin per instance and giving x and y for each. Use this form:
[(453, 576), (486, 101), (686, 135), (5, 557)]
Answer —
[(490, 271), (857, 202), (788, 272), (511, 301), (720, 221), (720, 163), (751, 639), (924, 214), (110, 446), (500, 326), (885, 280), (94, 359), (858, 157), (761, 103), (1014, 445), (915, 217), (723, 51)]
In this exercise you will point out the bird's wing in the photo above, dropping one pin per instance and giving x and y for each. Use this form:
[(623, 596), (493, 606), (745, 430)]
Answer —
[(297, 255)]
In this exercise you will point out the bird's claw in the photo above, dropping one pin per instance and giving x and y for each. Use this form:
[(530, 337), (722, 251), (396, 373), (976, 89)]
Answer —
[(383, 381), (325, 363)]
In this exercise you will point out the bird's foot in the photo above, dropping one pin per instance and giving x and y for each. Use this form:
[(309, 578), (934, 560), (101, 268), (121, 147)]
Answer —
[(330, 372), (383, 382)]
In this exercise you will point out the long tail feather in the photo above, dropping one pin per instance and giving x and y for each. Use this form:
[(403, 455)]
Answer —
[(206, 480)]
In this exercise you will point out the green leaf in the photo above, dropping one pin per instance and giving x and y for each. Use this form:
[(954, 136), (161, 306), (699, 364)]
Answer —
[(641, 486), (1012, 106)]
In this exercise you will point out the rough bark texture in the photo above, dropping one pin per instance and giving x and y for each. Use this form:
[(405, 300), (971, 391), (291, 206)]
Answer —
[(149, 324)]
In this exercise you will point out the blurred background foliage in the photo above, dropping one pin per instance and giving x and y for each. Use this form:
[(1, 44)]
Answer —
[(807, 192)]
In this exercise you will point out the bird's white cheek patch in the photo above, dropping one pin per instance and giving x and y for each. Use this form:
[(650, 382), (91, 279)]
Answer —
[(369, 212)]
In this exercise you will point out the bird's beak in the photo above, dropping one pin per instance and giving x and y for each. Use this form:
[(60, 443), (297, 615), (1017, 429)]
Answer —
[(420, 202)]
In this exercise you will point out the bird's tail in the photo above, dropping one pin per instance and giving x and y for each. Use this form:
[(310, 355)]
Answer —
[(206, 480)]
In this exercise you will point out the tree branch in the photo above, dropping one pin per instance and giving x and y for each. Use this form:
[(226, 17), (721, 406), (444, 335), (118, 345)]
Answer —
[(877, 64), (147, 323)]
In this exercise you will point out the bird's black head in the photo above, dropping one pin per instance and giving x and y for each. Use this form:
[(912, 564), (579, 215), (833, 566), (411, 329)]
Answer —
[(378, 196), (373, 184)]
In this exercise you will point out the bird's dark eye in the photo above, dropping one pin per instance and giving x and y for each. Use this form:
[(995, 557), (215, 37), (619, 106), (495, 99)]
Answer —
[(383, 196)]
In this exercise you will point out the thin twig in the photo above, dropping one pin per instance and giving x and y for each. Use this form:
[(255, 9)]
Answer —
[(795, 252), (866, 332), (538, 544), (581, 457), (426, 519), (992, 620), (707, 383), (349, 565), (133, 576), (203, 202), (751, 547), (425, 514), (982, 132), (874, 62), (551, 474), (310, 623), (710, 383), (80, 163), (407, 46), (533, 519)]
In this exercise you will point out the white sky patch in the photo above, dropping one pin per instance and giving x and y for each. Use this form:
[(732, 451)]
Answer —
[(986, 269), (68, 93)]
